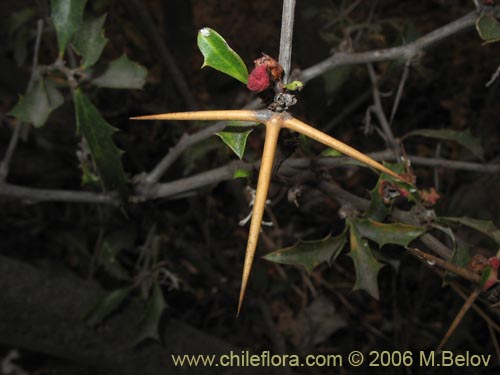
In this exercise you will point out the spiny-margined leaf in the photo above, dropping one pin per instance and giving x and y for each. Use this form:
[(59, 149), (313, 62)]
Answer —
[(107, 305), (90, 41), (382, 234), (99, 136), (67, 16), (488, 27), (220, 56), (148, 327), (235, 137), (463, 138), (365, 264), (121, 73), (310, 254), (484, 226), (236, 141), (386, 190), (36, 106)]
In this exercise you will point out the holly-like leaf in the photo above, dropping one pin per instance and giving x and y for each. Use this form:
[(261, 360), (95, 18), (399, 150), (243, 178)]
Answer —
[(220, 56), (67, 16), (38, 104), (90, 41), (310, 254), (236, 141), (484, 226), (386, 190), (488, 28), (148, 328), (365, 264), (463, 138), (107, 305), (121, 73), (99, 136), (382, 234), (235, 137)]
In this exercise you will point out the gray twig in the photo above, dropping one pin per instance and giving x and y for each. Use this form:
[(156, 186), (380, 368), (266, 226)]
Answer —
[(379, 112), (399, 93), (286, 37), (405, 52)]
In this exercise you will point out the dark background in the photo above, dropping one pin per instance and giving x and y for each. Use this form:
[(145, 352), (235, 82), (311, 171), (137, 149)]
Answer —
[(198, 237)]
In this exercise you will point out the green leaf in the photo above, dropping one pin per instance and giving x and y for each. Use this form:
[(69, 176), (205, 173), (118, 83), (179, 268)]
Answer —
[(67, 16), (382, 234), (365, 264), (111, 264), (220, 56), (148, 328), (90, 40), (330, 152), (237, 141), (121, 73), (107, 305), (234, 135), (484, 226), (99, 136), (310, 254), (460, 257), (463, 138), (294, 85), (488, 28), (241, 173), (38, 104)]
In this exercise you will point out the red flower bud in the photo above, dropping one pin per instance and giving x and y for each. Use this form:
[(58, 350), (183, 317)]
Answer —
[(258, 80)]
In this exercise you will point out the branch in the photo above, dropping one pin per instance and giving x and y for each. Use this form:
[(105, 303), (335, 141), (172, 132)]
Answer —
[(404, 52), (286, 37), (379, 112), (49, 195)]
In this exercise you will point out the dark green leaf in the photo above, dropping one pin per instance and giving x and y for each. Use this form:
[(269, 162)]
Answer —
[(38, 104), (310, 254), (484, 226), (122, 74), (67, 16), (148, 328), (397, 233), (365, 264), (463, 138), (237, 141), (111, 264), (99, 136), (460, 257), (220, 56), (488, 28), (90, 40), (107, 305)]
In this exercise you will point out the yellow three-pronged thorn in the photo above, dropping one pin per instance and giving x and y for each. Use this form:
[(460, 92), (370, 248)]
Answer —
[(273, 122)]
